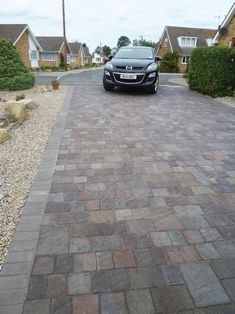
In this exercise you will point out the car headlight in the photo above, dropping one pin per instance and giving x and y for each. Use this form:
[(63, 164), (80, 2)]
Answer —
[(108, 66), (152, 67), (106, 73)]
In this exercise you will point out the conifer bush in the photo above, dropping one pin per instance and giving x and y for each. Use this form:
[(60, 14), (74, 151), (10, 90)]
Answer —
[(14, 75), (169, 63)]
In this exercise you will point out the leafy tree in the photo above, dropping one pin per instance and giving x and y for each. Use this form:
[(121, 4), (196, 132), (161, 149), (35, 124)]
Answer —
[(169, 63), (84, 45), (106, 50), (14, 75), (98, 50), (123, 41), (144, 42)]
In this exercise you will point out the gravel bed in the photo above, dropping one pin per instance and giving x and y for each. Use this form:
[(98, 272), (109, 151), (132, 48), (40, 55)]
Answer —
[(20, 157)]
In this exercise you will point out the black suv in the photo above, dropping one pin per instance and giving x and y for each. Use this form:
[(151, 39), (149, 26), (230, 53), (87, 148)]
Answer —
[(132, 66)]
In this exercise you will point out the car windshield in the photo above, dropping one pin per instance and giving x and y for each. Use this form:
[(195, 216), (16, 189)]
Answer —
[(134, 53)]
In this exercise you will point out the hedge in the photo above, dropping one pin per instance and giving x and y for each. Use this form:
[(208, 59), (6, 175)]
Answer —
[(169, 63), (14, 75), (212, 71)]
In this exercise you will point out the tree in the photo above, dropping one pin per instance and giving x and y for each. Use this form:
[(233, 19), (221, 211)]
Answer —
[(98, 50), (169, 63), (84, 45), (144, 42), (106, 50), (14, 75), (123, 41)]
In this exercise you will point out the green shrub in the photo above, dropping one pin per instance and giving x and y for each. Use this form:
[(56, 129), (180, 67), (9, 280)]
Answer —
[(212, 71), (169, 63), (14, 75)]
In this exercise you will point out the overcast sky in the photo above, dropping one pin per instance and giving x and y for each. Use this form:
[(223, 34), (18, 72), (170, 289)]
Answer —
[(95, 21)]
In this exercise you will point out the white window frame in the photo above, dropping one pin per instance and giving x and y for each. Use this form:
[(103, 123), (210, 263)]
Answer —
[(51, 54), (185, 59), (165, 42), (188, 41), (71, 57), (33, 55)]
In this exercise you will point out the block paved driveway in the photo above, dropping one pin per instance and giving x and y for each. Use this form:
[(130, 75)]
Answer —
[(140, 216)]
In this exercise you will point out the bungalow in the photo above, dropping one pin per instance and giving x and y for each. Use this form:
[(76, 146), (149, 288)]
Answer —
[(25, 42), (97, 59), (226, 32), (76, 58), (53, 52), (88, 57), (183, 40)]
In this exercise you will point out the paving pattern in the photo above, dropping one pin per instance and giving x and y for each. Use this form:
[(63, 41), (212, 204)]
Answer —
[(140, 216)]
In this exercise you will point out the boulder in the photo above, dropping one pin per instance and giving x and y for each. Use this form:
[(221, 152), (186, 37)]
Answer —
[(29, 103), (17, 109), (4, 135)]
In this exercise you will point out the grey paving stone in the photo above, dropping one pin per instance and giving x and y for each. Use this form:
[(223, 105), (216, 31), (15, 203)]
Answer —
[(143, 257), (10, 309), (177, 237), (79, 283), (203, 284), (19, 257), (172, 275), (37, 288), (57, 247), (139, 302), (43, 265), (194, 222), (100, 282), (13, 282), (56, 286), (12, 296), (229, 285), (169, 299), (79, 245), (104, 260), (160, 238), (61, 305), (207, 251), (113, 303), (105, 243), (10, 269), (228, 233), (146, 277), (224, 268), (119, 280), (225, 249), (64, 264), (84, 262), (211, 234), (37, 307)]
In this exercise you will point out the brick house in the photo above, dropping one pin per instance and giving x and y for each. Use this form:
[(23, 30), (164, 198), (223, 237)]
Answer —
[(25, 42), (183, 40), (226, 32), (76, 58), (53, 51)]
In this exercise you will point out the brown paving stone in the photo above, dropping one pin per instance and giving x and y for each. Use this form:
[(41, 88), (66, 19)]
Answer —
[(182, 254), (101, 216), (124, 259), (193, 236), (86, 304)]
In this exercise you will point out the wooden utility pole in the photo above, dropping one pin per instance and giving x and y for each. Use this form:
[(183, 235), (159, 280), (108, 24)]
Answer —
[(65, 40)]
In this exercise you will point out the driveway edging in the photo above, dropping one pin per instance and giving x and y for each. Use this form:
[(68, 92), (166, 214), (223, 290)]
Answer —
[(16, 272)]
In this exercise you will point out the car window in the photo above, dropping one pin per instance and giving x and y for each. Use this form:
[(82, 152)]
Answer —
[(132, 53)]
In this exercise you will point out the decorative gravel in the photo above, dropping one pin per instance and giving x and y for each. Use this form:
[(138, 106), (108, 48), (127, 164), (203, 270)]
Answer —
[(20, 157)]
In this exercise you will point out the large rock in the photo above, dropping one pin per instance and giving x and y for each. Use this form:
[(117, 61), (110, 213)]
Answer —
[(17, 109), (4, 135), (29, 103)]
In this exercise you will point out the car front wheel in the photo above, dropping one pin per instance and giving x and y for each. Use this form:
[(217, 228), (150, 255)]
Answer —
[(152, 89), (107, 87)]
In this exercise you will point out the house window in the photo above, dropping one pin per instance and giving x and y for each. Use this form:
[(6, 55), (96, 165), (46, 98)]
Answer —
[(185, 59), (165, 44), (48, 56), (98, 59), (71, 58), (188, 41), (33, 55)]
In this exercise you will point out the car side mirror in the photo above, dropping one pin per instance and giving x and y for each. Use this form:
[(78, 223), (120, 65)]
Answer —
[(110, 58), (157, 58)]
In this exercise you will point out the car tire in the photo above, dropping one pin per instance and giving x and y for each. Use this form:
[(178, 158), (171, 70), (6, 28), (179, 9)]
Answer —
[(107, 87), (153, 88)]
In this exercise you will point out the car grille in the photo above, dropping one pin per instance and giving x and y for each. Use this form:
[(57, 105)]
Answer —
[(139, 79), (124, 68)]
